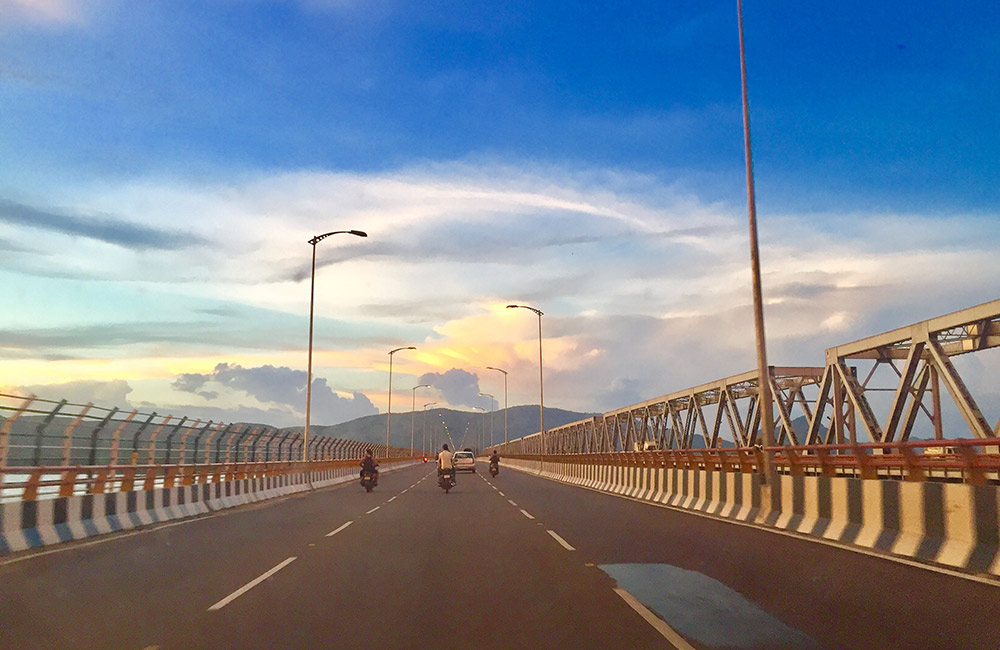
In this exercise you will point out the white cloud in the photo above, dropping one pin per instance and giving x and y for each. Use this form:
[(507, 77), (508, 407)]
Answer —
[(645, 288)]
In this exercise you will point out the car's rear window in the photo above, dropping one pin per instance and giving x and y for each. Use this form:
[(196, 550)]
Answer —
[(463, 454)]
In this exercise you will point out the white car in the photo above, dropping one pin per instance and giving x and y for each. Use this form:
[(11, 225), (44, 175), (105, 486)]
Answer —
[(465, 461)]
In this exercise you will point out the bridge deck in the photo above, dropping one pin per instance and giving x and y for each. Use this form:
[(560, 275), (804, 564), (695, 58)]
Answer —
[(471, 569)]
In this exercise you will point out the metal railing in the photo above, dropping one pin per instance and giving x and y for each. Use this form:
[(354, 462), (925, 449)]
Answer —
[(39, 482), (44, 432), (971, 461), (58, 448)]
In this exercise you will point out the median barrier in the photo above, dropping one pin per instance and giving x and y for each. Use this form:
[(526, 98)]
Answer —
[(956, 525), (100, 500)]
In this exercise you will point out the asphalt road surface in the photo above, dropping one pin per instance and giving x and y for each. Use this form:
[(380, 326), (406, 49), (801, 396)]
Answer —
[(511, 562)]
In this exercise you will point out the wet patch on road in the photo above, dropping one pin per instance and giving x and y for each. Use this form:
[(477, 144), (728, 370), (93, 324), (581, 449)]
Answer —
[(705, 610)]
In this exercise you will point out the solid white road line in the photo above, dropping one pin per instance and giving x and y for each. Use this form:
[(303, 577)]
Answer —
[(373, 510), (668, 632), (342, 527), (511, 503), (561, 541), (525, 513), (250, 585), (391, 500)]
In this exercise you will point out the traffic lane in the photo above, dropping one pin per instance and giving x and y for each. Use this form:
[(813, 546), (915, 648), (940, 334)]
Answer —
[(129, 588), (431, 570), (840, 597)]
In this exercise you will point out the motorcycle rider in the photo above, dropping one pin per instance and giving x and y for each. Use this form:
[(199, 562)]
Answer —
[(495, 460), (369, 464), (445, 461)]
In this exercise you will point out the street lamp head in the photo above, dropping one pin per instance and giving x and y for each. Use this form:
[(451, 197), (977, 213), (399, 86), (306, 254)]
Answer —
[(422, 386), (537, 311), (318, 238), (409, 347)]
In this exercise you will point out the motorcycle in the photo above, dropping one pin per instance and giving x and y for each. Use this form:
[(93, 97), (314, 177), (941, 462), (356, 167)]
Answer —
[(369, 480), (494, 469), (446, 480)]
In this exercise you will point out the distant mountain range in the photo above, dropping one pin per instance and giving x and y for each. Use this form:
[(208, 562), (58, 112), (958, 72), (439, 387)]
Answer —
[(465, 427)]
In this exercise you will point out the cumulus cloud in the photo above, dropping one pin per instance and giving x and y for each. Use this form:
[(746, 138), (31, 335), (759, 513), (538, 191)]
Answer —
[(278, 386), (107, 394), (457, 386)]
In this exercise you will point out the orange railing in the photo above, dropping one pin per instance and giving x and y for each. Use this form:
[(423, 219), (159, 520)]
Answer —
[(974, 461)]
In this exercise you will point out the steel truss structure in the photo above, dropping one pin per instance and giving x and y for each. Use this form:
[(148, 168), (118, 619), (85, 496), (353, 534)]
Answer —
[(818, 410)]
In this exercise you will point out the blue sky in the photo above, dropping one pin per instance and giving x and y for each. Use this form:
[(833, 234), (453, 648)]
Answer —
[(589, 157)]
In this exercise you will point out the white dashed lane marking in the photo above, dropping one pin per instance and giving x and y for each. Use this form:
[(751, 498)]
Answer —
[(511, 503), (373, 510), (250, 585), (391, 500), (668, 632), (525, 513), (342, 527), (561, 541)]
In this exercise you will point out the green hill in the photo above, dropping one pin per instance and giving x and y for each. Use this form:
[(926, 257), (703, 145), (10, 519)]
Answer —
[(464, 427)]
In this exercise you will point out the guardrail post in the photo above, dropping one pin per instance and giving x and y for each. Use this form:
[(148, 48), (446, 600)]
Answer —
[(218, 445), (40, 431), (170, 438), (152, 439), (95, 434), (244, 441), (8, 424), (68, 434), (116, 436), (135, 438), (197, 440)]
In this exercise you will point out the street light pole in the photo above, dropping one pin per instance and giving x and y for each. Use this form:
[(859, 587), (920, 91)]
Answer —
[(504, 400), (492, 399), (413, 405), (388, 416), (425, 426), (541, 383), (483, 436), (763, 374), (312, 300)]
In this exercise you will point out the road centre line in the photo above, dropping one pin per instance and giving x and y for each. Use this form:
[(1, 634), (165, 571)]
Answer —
[(511, 503), (391, 500), (373, 510), (250, 585), (342, 527), (525, 513), (559, 539), (658, 624)]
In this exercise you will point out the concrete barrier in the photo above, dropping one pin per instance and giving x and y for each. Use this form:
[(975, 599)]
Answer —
[(36, 523), (951, 524)]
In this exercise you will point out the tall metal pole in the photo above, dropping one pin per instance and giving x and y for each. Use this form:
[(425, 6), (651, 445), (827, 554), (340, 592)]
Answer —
[(312, 300), (541, 386), (763, 375), (309, 371), (504, 400), (492, 399), (482, 436), (424, 427), (388, 415), (413, 406)]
